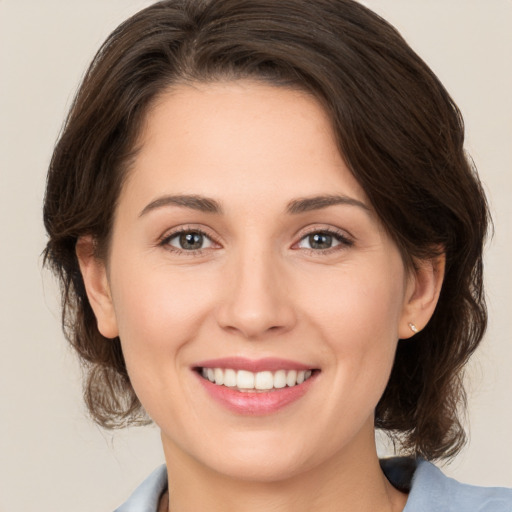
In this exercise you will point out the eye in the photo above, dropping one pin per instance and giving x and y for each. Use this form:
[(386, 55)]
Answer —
[(190, 240), (323, 241)]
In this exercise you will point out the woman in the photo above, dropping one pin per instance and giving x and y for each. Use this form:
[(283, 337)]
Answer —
[(270, 241)]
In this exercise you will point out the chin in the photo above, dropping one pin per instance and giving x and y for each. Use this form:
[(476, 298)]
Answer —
[(261, 468), (265, 456)]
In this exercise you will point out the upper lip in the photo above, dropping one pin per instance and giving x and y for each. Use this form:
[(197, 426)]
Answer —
[(253, 365)]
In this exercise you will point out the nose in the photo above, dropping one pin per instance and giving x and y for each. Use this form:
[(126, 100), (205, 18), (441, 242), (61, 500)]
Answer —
[(256, 302)]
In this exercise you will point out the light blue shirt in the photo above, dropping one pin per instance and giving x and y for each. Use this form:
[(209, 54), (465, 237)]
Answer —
[(429, 490)]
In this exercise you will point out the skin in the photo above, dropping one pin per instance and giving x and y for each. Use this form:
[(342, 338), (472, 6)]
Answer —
[(256, 288)]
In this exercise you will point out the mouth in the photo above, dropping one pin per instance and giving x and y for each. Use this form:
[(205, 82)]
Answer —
[(255, 382), (255, 387)]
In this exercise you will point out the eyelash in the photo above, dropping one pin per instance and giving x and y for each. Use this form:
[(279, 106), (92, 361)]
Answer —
[(165, 241), (339, 236), (344, 241)]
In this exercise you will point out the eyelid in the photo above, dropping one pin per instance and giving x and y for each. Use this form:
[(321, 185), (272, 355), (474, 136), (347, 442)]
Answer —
[(163, 240), (342, 236)]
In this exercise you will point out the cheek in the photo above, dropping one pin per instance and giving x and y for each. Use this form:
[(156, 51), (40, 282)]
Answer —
[(357, 314), (157, 312), (365, 302)]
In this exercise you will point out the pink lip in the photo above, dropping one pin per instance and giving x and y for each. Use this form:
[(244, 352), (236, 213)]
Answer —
[(254, 403), (269, 364)]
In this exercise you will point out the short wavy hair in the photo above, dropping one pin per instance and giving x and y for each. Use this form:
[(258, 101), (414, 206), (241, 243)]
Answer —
[(398, 129)]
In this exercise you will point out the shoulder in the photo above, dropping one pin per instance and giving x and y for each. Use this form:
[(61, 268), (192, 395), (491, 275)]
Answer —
[(147, 495), (431, 490)]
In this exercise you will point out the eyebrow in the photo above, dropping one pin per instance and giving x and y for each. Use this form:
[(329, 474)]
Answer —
[(308, 204), (194, 202), (208, 205)]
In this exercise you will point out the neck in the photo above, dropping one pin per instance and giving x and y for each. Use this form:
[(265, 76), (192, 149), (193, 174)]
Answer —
[(352, 481)]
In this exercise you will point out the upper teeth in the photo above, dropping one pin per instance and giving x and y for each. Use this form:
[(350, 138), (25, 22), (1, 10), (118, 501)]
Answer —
[(242, 379)]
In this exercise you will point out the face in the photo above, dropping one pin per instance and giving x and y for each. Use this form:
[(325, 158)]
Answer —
[(244, 252)]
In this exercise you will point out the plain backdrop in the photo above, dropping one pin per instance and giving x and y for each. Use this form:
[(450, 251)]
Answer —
[(52, 457)]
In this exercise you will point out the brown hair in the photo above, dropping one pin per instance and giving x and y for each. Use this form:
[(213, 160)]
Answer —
[(397, 127)]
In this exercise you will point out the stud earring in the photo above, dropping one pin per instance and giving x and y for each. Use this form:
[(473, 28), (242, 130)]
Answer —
[(413, 328)]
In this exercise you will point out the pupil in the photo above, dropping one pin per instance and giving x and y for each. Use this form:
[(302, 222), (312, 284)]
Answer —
[(320, 241), (191, 241)]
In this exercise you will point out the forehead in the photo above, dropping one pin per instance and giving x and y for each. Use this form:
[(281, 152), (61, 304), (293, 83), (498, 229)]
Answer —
[(243, 139)]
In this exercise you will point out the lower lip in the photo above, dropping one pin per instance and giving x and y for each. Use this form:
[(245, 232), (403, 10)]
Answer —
[(256, 403)]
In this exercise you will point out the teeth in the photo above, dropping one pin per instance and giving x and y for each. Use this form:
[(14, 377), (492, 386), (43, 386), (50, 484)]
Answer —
[(244, 379), (266, 380), (280, 379), (230, 378), (219, 376), (263, 380), (291, 378)]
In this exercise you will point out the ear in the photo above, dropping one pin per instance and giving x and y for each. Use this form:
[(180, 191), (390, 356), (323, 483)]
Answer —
[(422, 293), (94, 274)]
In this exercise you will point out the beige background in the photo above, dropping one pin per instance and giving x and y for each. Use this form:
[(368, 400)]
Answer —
[(52, 457)]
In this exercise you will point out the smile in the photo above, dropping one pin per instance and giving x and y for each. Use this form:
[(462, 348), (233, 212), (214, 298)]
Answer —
[(247, 381), (255, 387)]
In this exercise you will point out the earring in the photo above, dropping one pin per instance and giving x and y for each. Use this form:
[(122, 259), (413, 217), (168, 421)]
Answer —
[(413, 328)]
